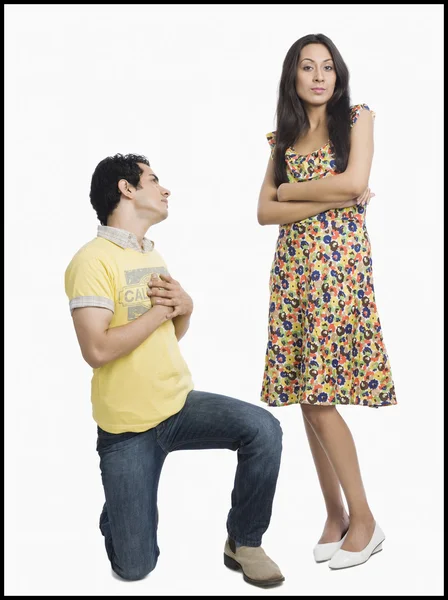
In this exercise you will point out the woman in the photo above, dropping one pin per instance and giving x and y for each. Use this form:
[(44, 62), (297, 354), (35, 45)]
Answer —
[(325, 344)]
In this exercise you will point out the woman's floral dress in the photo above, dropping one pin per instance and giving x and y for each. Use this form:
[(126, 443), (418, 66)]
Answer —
[(325, 343)]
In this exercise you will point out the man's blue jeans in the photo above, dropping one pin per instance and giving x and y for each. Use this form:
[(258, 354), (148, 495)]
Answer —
[(131, 464)]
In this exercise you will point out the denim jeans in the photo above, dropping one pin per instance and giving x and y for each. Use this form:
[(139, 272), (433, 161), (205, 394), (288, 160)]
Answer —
[(131, 464)]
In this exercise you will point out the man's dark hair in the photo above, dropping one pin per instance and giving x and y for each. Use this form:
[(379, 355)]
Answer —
[(104, 192)]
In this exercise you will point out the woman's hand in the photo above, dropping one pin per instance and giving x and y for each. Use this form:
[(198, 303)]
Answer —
[(365, 197), (281, 192)]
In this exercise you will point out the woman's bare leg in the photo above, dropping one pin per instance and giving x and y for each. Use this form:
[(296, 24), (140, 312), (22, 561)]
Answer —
[(334, 436), (337, 518)]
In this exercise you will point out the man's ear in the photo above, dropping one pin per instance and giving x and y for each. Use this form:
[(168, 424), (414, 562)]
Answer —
[(125, 188)]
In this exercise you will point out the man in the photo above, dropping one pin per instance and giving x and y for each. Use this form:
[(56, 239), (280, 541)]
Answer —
[(129, 314)]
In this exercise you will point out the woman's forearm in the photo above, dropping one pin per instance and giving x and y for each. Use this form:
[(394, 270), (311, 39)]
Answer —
[(283, 213), (334, 189)]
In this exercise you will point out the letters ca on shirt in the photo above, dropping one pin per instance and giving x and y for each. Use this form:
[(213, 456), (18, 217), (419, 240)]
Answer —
[(132, 296)]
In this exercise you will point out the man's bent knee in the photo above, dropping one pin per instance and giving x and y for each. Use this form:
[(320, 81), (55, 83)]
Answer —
[(269, 427)]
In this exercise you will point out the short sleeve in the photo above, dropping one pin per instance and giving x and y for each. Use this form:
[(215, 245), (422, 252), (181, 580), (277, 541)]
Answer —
[(271, 141), (88, 282), (356, 110)]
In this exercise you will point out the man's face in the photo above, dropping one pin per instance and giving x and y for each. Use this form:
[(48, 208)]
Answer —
[(151, 199)]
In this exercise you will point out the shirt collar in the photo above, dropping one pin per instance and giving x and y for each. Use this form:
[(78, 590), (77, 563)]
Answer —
[(124, 238)]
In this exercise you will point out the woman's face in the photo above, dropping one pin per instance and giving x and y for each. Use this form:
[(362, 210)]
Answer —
[(316, 77)]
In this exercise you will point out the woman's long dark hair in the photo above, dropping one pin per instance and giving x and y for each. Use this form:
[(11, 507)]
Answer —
[(292, 120)]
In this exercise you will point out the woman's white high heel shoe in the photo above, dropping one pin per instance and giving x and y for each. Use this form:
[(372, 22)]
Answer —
[(343, 558), (323, 552)]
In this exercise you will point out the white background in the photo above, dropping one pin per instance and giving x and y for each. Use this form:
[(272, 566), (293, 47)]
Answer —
[(194, 89)]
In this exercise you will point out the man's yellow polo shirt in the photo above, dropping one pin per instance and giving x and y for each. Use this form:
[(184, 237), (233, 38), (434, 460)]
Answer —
[(140, 390)]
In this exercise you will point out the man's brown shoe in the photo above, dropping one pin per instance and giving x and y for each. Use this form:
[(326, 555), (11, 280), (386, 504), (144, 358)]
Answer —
[(258, 569)]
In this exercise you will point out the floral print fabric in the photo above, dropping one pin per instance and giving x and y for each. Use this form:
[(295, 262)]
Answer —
[(325, 344)]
